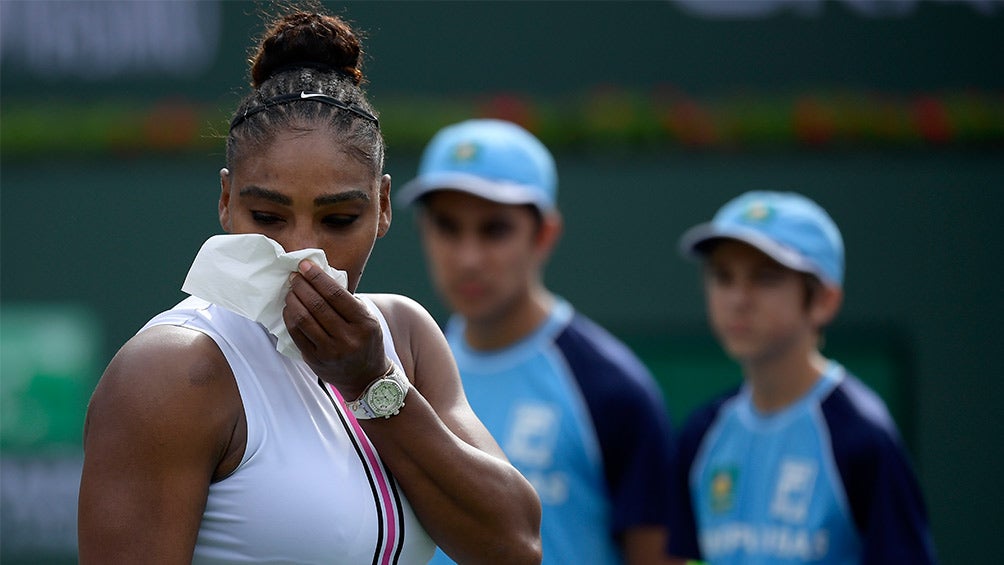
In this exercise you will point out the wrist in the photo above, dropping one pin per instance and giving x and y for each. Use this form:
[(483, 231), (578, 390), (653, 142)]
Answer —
[(354, 391), (383, 397)]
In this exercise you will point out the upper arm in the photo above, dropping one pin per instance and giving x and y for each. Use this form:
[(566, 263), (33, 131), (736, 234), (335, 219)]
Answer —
[(159, 423), (886, 501), (636, 450), (897, 528), (683, 538), (885, 498), (429, 362)]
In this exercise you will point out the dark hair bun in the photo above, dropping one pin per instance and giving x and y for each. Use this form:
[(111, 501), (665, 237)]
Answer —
[(307, 40)]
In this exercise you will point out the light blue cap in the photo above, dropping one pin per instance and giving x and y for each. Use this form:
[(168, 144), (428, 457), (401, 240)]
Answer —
[(790, 228), (493, 159)]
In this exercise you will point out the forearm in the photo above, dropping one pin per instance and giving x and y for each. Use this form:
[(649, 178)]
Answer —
[(646, 545), (477, 506)]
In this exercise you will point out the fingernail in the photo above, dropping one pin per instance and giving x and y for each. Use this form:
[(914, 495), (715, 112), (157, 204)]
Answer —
[(305, 266)]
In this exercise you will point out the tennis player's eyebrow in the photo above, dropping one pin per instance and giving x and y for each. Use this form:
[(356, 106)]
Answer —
[(266, 194), (323, 200), (328, 199)]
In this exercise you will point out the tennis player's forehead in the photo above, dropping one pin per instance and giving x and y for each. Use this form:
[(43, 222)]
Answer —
[(310, 161)]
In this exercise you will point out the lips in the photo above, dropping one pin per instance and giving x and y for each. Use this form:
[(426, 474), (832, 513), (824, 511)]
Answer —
[(736, 331), (470, 290)]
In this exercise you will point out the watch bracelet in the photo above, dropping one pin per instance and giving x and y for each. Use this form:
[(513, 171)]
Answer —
[(394, 373)]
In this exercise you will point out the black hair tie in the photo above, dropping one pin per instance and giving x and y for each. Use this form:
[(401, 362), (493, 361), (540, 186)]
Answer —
[(304, 95)]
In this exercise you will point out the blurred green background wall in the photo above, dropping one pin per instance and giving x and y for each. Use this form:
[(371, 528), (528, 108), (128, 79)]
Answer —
[(888, 113)]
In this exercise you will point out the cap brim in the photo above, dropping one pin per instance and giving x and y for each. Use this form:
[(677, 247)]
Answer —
[(693, 244), (503, 193)]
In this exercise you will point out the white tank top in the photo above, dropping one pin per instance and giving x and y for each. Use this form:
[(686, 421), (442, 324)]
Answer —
[(310, 488)]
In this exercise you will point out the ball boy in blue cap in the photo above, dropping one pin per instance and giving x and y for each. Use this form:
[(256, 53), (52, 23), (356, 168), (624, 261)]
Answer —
[(574, 410), (803, 463)]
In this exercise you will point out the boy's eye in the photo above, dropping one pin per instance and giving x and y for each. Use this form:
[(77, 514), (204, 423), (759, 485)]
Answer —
[(718, 276), (445, 226), (769, 276), (496, 230)]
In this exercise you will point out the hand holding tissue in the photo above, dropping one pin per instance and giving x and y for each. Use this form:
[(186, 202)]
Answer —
[(248, 274)]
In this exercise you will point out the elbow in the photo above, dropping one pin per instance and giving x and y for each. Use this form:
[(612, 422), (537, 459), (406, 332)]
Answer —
[(506, 533), (513, 549), (534, 553), (524, 550), (528, 547), (518, 542), (528, 537)]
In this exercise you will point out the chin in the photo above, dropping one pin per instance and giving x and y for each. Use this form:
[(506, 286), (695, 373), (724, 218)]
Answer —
[(476, 312), (740, 351), (464, 306)]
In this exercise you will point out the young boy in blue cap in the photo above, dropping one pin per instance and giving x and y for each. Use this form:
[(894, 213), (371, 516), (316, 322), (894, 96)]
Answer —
[(803, 463), (574, 410)]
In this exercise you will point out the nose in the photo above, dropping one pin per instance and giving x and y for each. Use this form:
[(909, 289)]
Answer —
[(738, 293), (468, 251), (300, 237)]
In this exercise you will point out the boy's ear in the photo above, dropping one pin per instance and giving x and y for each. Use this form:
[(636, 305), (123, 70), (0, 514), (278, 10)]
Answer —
[(551, 227), (825, 304)]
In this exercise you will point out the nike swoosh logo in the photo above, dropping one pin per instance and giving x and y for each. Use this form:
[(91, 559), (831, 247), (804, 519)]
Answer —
[(312, 95)]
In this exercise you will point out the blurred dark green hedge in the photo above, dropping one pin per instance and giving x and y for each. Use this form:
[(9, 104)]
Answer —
[(605, 118)]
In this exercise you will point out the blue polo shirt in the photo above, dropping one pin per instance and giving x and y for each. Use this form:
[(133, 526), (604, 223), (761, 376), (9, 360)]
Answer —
[(825, 480), (582, 418)]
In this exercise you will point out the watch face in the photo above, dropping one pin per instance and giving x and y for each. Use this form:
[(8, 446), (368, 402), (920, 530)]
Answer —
[(385, 397)]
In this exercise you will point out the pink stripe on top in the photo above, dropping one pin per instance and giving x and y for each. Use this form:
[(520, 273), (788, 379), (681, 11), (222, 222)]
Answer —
[(383, 481)]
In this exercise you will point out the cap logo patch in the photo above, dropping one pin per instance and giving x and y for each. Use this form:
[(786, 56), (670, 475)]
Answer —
[(757, 211), (465, 151)]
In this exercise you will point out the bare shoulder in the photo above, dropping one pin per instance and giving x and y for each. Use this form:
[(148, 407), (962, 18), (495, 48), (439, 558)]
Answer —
[(411, 325), (427, 358), (163, 423), (401, 309), (165, 358), (419, 342), (164, 378)]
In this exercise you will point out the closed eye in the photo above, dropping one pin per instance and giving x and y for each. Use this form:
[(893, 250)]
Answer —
[(340, 220), (265, 219)]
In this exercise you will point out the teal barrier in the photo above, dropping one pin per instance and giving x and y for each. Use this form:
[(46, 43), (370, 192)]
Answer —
[(49, 358)]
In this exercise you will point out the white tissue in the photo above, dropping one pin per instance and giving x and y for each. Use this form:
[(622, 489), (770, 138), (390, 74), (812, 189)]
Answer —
[(249, 274)]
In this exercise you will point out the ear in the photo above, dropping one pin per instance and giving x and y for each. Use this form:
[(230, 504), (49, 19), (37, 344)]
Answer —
[(551, 227), (225, 182), (825, 304), (385, 212)]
